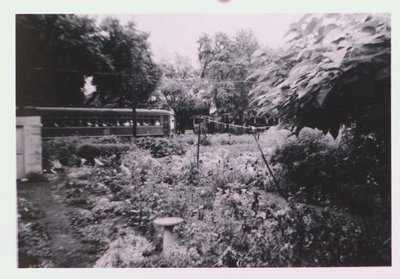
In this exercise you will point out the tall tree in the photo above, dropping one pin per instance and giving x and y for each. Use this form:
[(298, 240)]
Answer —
[(226, 62), (134, 73), (181, 90), (54, 53)]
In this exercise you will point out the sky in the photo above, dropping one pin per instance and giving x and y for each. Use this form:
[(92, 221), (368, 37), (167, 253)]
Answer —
[(178, 33)]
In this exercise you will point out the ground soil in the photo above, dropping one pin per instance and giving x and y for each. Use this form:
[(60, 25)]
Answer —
[(65, 249)]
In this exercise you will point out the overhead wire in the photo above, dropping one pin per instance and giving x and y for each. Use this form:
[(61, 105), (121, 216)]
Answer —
[(209, 119), (137, 75)]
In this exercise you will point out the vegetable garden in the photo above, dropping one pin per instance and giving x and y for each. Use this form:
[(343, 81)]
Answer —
[(234, 215), (328, 202)]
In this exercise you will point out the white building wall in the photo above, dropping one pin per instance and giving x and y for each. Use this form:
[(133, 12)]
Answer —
[(29, 145)]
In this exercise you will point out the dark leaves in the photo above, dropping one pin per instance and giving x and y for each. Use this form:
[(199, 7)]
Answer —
[(331, 65)]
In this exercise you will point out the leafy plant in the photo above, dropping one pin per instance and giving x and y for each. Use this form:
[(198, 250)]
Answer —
[(335, 70), (91, 151), (60, 149), (161, 147)]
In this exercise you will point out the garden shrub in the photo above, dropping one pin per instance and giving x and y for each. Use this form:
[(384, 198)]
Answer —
[(353, 174), (61, 149), (291, 235), (69, 150), (91, 151), (111, 139), (307, 168), (161, 147)]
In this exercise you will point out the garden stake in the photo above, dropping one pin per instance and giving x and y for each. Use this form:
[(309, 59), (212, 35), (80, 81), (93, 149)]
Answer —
[(265, 161)]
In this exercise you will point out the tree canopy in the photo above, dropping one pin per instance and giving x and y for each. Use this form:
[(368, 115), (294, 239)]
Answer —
[(53, 53), (335, 70), (226, 62), (182, 90), (134, 73), (56, 53)]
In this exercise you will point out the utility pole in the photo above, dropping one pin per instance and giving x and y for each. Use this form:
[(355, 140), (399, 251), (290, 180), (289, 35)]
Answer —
[(198, 143), (133, 113), (134, 103)]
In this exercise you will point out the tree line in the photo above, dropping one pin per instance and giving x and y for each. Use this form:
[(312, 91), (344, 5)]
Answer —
[(56, 54), (334, 70)]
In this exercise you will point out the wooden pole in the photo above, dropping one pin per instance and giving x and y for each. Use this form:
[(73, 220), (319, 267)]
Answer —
[(133, 102), (134, 114), (198, 144), (265, 161)]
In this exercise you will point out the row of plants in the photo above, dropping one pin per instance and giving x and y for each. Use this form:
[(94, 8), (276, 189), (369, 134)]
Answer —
[(70, 151), (229, 219)]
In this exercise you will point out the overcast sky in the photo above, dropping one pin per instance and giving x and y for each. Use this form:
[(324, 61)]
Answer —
[(170, 33)]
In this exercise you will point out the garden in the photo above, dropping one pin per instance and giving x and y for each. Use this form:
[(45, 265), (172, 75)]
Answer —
[(234, 215), (312, 190)]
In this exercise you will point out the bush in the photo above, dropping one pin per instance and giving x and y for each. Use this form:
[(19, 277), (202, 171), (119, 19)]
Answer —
[(61, 149), (161, 147), (307, 169), (69, 150), (91, 151), (353, 174), (291, 235)]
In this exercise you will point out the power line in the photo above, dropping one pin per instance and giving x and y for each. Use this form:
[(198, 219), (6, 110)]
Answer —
[(137, 75), (209, 119)]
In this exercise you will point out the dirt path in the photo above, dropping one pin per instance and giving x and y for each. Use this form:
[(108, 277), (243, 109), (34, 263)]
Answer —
[(66, 250)]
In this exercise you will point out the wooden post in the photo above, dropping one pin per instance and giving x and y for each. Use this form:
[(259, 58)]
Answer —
[(134, 114), (198, 143), (265, 161), (133, 101)]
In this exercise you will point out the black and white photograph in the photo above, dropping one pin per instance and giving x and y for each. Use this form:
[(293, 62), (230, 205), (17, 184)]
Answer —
[(203, 140)]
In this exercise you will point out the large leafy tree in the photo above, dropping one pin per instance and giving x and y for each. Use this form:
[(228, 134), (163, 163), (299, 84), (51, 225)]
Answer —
[(182, 91), (336, 70), (226, 61), (54, 54), (133, 76)]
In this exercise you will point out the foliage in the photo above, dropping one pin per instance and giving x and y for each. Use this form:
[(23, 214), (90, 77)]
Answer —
[(308, 172), (134, 74), (181, 90), (352, 174), (123, 250), (229, 218), (60, 149), (226, 62), (56, 53), (33, 238), (53, 55), (161, 147), (294, 235), (91, 151), (69, 151), (336, 70)]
